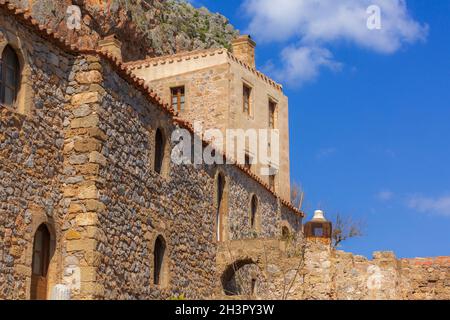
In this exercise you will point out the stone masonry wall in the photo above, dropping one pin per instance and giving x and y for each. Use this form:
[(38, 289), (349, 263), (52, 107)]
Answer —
[(207, 98), (332, 274), (178, 204), (82, 163), (31, 159)]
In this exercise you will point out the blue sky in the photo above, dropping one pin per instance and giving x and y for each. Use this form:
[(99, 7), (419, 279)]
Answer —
[(369, 111)]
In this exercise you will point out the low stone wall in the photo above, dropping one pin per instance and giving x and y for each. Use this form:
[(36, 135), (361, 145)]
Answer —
[(340, 275)]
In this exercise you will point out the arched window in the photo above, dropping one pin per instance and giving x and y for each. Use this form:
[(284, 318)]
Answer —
[(159, 150), (159, 260), (220, 191), (253, 210), (9, 76), (40, 263)]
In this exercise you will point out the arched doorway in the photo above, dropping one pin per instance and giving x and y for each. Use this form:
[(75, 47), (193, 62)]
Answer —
[(159, 256), (243, 278), (40, 264)]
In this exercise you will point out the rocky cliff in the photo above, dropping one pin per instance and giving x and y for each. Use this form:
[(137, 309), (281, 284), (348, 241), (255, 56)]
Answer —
[(146, 27)]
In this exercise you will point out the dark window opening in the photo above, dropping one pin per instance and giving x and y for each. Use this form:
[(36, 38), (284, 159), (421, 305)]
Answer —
[(9, 76), (285, 233), (178, 98), (246, 99), (40, 264), (220, 185), (159, 150), (248, 162), (254, 209), (318, 232), (272, 182), (159, 255), (253, 286), (272, 108)]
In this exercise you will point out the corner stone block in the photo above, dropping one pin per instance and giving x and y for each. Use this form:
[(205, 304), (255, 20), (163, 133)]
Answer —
[(73, 235), (85, 98), (96, 157), (88, 274), (85, 122), (81, 245), (89, 77), (86, 219), (92, 288), (87, 145), (88, 192)]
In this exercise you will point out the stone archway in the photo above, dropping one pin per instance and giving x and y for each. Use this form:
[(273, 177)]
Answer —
[(243, 277)]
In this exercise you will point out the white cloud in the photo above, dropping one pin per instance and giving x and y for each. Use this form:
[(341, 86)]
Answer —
[(314, 24), (302, 64), (325, 153), (435, 205), (385, 195)]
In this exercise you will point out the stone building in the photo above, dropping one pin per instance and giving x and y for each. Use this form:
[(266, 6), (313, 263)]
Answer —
[(92, 207), (223, 90), (89, 198)]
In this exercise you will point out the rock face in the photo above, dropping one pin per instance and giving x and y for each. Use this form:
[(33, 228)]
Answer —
[(147, 28)]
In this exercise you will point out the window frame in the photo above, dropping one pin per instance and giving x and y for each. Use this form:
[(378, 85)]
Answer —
[(273, 105), (159, 261), (247, 91), (160, 153), (8, 67), (178, 92), (254, 206)]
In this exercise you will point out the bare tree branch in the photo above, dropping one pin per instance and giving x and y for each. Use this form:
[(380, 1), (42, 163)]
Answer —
[(297, 195), (344, 228)]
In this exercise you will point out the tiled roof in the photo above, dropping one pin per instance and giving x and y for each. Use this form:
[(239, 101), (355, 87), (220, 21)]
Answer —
[(197, 54), (182, 56), (126, 73)]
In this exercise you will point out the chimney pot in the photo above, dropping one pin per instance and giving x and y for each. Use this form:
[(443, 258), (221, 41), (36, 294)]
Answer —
[(244, 49), (111, 44)]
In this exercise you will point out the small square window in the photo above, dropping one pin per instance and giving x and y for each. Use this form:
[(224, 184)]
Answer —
[(318, 232)]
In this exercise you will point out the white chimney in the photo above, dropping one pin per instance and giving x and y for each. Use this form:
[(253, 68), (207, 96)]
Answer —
[(319, 216)]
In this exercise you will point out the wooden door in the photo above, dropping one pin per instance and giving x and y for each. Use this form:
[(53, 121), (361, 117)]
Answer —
[(41, 260)]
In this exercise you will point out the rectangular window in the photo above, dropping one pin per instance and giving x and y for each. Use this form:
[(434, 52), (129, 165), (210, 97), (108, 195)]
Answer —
[(318, 232), (178, 98), (272, 108), (272, 182), (248, 162), (247, 93)]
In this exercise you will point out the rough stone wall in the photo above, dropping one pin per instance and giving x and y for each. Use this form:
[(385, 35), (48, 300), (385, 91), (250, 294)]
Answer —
[(179, 204), (82, 163), (312, 270), (332, 274), (214, 96), (425, 278), (141, 204), (31, 160), (267, 215), (206, 92), (293, 222)]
